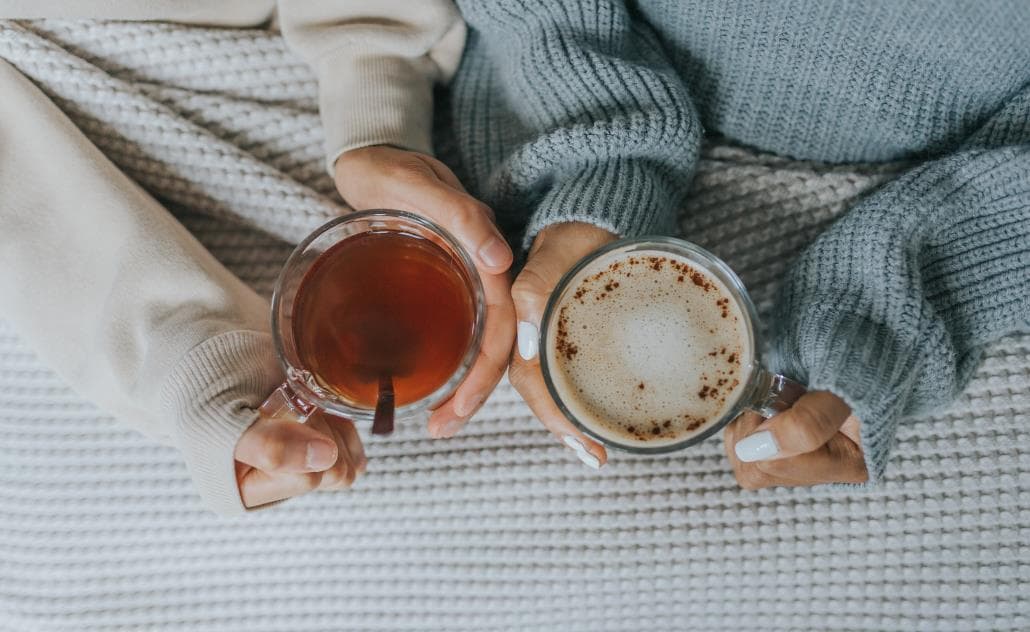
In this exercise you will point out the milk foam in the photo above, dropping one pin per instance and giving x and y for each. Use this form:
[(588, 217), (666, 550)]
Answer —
[(647, 349)]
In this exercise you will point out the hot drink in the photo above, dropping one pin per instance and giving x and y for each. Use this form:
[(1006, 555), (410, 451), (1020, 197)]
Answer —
[(383, 307), (647, 348)]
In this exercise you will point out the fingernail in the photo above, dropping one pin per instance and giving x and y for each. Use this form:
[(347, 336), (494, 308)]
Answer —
[(757, 447), (449, 429), (527, 335), (495, 253), (574, 443), (470, 405), (589, 460), (586, 457), (320, 456)]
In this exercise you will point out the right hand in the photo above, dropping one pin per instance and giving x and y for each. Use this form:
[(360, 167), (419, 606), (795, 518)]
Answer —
[(387, 177), (278, 457), (817, 440), (555, 250)]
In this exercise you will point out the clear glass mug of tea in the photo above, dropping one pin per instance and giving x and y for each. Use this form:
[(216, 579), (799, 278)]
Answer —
[(650, 345), (375, 309)]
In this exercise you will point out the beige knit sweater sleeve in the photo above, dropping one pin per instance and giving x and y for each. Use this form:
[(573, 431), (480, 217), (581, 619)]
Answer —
[(115, 295), (376, 62)]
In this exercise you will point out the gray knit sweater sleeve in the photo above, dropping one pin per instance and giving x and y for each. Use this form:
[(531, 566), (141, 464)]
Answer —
[(605, 131), (891, 307)]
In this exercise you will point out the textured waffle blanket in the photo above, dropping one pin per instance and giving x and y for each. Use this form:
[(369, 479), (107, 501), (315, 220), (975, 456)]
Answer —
[(499, 528)]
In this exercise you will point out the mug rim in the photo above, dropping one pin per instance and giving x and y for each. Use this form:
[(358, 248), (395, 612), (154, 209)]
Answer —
[(338, 406), (710, 260)]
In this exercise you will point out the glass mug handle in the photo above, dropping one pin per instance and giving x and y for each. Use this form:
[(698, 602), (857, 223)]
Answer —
[(775, 393), (284, 402)]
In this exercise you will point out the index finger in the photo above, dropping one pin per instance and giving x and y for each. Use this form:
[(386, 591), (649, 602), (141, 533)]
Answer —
[(489, 365), (461, 214), (528, 380), (806, 426)]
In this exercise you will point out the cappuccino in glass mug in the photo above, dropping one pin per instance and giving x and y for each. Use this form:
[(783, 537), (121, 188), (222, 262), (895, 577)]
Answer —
[(650, 345)]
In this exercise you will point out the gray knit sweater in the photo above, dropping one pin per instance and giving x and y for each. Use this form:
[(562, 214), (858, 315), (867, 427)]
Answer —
[(593, 111)]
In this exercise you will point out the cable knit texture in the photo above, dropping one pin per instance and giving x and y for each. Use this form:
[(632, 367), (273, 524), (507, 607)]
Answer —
[(499, 528), (591, 110)]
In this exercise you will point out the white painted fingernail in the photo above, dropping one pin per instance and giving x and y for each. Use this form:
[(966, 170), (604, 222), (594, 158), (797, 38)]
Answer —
[(589, 460), (577, 446), (574, 443), (527, 335), (757, 447)]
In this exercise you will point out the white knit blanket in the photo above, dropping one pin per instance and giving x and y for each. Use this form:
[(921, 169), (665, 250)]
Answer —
[(499, 528)]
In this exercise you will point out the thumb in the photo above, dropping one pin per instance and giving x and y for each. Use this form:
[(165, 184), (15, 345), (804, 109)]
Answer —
[(282, 445), (555, 250), (807, 425), (529, 292)]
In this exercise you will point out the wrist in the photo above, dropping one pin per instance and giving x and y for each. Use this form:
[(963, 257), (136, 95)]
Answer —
[(209, 400)]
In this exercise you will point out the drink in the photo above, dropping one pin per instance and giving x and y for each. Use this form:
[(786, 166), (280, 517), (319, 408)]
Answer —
[(383, 304), (649, 349), (649, 345)]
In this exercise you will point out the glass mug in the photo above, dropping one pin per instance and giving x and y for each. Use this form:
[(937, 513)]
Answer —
[(304, 391), (764, 391)]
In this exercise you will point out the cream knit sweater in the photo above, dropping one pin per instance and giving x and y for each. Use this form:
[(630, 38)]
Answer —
[(119, 298)]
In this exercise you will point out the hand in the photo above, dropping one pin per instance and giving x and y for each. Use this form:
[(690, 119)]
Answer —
[(278, 457), (555, 249), (815, 441), (386, 177)]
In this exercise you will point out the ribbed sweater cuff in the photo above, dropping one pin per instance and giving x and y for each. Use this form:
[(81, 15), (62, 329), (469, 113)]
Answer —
[(626, 197), (210, 399), (858, 360), (374, 101)]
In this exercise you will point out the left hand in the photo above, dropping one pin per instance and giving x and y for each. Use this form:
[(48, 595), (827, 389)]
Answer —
[(390, 178), (815, 441), (555, 250), (278, 457)]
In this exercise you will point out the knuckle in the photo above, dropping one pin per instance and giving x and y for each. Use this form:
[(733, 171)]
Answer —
[(519, 375), (311, 480), (345, 476), (747, 481), (406, 170), (805, 429), (529, 286), (750, 477), (770, 469), (274, 447), (469, 213), (332, 478)]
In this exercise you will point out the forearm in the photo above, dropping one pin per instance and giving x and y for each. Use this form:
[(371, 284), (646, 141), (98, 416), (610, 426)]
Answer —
[(120, 299), (892, 306), (586, 121), (377, 62)]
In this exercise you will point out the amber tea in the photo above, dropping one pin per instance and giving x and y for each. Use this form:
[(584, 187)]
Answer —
[(384, 306)]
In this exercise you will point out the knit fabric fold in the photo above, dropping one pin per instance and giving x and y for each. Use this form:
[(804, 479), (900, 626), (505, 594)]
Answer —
[(595, 107), (597, 128), (892, 307)]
